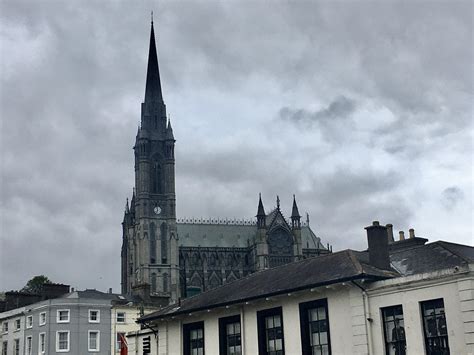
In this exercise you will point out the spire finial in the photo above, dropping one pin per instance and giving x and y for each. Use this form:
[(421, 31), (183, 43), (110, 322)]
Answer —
[(152, 17), (278, 202)]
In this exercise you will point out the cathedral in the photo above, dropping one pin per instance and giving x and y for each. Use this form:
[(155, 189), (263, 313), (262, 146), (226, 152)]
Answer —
[(165, 258)]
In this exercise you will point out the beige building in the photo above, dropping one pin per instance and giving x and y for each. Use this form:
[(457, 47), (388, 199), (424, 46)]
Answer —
[(403, 297), (124, 320)]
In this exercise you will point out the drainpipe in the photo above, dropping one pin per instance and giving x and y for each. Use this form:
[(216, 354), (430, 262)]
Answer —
[(367, 317), (242, 329)]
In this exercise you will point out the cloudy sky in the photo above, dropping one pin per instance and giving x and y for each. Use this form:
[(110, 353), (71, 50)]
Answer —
[(362, 109)]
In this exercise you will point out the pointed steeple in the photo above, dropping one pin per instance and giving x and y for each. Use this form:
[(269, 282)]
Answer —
[(260, 210), (127, 208), (294, 211), (169, 130), (261, 217), (295, 215), (153, 83)]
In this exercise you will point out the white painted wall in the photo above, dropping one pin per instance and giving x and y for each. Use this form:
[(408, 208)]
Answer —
[(349, 310)]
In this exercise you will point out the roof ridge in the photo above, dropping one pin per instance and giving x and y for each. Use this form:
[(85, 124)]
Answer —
[(442, 243), (357, 264)]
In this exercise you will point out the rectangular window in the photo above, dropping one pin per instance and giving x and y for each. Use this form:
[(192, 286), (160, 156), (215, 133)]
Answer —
[(94, 316), (5, 327), (29, 322), (62, 341), (42, 343), (16, 347), (62, 316), (94, 340), (270, 332), (120, 317), (4, 347), (17, 324), (230, 336), (120, 341), (435, 328), (394, 330), (29, 345), (193, 338), (42, 318), (314, 327)]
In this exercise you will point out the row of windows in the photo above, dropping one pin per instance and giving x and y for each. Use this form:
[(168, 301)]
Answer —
[(63, 342), (62, 316), (315, 337)]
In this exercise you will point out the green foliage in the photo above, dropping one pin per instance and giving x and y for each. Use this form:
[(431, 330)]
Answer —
[(35, 285)]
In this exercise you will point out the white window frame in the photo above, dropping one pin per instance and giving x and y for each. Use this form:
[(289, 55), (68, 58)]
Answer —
[(17, 324), (98, 316), (29, 322), (42, 335), (5, 327), (29, 345), (41, 315), (58, 312), (89, 341), (16, 346), (124, 317), (68, 341)]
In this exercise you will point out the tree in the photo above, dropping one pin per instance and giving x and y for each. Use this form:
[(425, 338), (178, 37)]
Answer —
[(35, 285)]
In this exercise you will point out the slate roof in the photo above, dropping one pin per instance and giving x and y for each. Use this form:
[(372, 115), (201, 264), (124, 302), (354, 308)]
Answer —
[(313, 272), (231, 235), (431, 257), (94, 294)]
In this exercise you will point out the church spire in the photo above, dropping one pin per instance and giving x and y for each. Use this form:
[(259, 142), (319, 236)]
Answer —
[(295, 215), (260, 210), (153, 83)]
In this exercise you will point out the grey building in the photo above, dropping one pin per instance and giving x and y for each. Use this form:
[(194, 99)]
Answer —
[(76, 323), (164, 259)]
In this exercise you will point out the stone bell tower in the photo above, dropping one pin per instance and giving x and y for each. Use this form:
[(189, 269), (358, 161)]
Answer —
[(150, 240)]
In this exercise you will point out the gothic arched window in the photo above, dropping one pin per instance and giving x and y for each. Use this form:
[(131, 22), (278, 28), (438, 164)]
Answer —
[(280, 247), (164, 243), (156, 178), (165, 282), (153, 283), (152, 243)]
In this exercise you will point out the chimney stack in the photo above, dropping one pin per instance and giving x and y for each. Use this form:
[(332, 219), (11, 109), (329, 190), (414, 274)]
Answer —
[(378, 246), (412, 233), (390, 232), (110, 290), (402, 235)]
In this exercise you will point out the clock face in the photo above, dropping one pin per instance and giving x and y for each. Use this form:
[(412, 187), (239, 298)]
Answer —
[(157, 210)]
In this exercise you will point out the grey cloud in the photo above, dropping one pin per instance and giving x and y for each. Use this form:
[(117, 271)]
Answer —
[(340, 108), (73, 79), (451, 196)]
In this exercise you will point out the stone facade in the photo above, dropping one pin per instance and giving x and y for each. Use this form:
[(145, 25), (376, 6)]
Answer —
[(164, 259)]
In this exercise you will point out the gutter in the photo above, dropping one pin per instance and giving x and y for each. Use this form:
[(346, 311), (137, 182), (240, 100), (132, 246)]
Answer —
[(271, 294)]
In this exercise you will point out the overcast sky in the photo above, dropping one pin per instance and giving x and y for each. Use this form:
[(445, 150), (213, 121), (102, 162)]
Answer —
[(362, 109)]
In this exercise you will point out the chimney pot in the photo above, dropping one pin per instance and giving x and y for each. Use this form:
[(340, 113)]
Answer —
[(378, 246), (412, 233), (390, 232), (110, 290), (402, 235)]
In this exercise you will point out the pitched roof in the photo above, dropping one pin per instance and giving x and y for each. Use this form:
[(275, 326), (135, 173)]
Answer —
[(94, 294), (300, 275), (431, 257), (231, 235)]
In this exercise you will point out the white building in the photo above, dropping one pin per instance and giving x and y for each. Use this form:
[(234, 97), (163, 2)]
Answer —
[(403, 297), (12, 332)]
